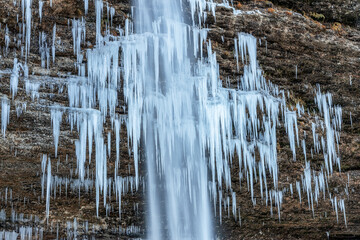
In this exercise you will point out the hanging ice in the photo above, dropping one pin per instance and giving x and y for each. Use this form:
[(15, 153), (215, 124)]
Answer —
[(332, 119), (26, 14), (99, 12), (48, 188), (187, 126), (291, 124), (32, 89), (5, 115), (43, 169), (161, 90), (86, 6), (56, 118), (14, 78), (79, 36), (53, 43), (7, 40), (44, 50), (41, 4)]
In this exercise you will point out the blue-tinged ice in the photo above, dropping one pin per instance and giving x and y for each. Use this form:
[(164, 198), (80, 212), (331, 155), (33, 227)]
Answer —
[(5, 114)]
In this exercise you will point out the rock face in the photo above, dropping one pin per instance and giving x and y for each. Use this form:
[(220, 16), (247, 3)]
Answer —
[(345, 12), (301, 44), (322, 54)]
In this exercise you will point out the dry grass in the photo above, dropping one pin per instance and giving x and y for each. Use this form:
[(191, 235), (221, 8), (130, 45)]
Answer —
[(271, 10), (337, 27)]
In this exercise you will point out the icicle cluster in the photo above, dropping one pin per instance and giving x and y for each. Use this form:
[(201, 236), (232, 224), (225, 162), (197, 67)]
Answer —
[(79, 36)]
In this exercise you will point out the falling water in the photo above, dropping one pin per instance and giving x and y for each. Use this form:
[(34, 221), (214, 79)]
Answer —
[(171, 87), (191, 127)]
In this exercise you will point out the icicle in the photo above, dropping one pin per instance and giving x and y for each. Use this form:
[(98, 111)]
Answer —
[(56, 118), (117, 144), (304, 148), (112, 13), (109, 143), (298, 188), (44, 50), (342, 208), (291, 123), (99, 11), (53, 43), (43, 169), (32, 89), (79, 36), (41, 4), (5, 115), (48, 186), (14, 78), (86, 6), (7, 40), (233, 196), (333, 120), (26, 10)]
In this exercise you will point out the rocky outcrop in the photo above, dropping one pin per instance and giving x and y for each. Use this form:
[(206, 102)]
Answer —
[(346, 12), (298, 53)]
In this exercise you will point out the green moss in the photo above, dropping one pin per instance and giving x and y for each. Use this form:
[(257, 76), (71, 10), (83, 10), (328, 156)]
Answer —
[(317, 16)]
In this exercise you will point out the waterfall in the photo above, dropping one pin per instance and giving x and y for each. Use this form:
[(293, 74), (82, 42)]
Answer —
[(190, 127), (167, 93)]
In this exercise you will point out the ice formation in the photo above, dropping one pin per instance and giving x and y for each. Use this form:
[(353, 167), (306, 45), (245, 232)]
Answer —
[(79, 36), (20, 108), (26, 6), (86, 6), (183, 118), (7, 40), (41, 4), (14, 79), (332, 119), (5, 114), (44, 50), (56, 118), (99, 12), (48, 188), (53, 44), (182, 123)]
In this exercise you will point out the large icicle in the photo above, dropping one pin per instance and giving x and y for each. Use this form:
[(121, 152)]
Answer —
[(99, 12), (14, 78), (56, 118), (48, 189), (53, 43), (41, 4), (5, 114), (26, 10)]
